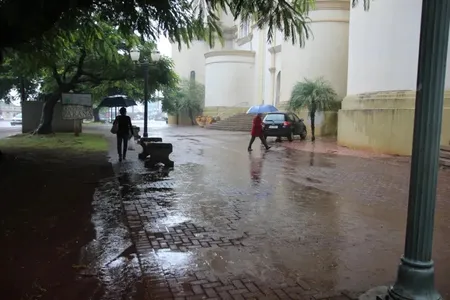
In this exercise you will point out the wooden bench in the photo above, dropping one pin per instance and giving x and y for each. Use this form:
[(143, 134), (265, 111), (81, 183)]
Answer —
[(158, 154)]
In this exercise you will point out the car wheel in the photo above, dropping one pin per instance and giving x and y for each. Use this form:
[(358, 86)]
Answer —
[(290, 137), (303, 135)]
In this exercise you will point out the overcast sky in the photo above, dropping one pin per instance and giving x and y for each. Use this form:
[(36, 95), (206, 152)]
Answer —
[(164, 47)]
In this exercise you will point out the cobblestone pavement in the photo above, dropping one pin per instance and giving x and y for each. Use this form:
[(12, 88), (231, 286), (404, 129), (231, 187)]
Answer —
[(282, 224)]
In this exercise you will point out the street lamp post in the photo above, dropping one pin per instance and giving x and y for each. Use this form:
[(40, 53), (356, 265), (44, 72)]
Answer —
[(155, 56), (415, 278)]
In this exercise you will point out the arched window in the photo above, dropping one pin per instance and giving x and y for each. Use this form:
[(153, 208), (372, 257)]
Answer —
[(192, 76)]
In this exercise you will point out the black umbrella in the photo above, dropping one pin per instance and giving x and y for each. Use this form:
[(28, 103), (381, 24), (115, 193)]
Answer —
[(117, 101)]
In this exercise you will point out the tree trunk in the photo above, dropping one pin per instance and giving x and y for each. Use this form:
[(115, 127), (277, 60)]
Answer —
[(45, 125), (23, 97), (96, 113), (313, 125), (191, 116)]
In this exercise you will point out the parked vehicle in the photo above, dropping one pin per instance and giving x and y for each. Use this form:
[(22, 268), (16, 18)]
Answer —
[(284, 124), (16, 120)]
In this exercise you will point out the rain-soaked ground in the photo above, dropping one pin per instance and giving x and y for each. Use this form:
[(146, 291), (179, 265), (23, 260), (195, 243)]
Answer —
[(278, 224)]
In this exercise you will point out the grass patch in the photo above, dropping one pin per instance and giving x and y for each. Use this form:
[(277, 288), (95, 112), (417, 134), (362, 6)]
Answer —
[(86, 142)]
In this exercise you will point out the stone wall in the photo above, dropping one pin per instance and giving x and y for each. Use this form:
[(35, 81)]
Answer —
[(31, 115)]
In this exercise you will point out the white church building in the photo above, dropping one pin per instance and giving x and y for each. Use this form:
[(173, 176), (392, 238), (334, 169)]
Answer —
[(370, 58)]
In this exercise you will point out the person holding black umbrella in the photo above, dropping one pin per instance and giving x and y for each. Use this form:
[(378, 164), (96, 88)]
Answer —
[(123, 127)]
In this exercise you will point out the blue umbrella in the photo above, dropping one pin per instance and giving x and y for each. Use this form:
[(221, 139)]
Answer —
[(262, 109)]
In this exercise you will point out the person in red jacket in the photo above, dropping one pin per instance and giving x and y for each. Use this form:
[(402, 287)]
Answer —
[(257, 131)]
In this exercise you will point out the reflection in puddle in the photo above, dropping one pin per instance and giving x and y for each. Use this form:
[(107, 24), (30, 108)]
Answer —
[(111, 256)]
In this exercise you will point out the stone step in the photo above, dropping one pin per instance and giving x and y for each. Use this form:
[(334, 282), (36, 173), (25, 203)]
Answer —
[(444, 154), (445, 148), (230, 129), (238, 122), (230, 126), (445, 162), (233, 125)]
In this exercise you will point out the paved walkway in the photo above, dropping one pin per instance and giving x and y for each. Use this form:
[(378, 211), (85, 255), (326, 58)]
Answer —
[(8, 130), (277, 225)]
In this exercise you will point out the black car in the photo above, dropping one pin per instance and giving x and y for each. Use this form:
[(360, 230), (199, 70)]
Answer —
[(284, 124)]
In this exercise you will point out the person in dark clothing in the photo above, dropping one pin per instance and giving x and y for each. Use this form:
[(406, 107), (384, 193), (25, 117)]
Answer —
[(257, 131), (123, 132)]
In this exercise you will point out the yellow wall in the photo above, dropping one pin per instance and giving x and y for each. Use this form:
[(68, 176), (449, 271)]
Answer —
[(383, 122), (181, 119), (328, 127)]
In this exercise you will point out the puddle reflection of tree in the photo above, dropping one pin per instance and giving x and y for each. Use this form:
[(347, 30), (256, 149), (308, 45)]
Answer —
[(129, 182), (127, 187), (320, 213)]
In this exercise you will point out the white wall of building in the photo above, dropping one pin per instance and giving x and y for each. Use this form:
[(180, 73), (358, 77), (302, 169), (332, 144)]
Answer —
[(227, 78), (189, 59), (325, 54), (257, 45), (277, 65), (384, 47)]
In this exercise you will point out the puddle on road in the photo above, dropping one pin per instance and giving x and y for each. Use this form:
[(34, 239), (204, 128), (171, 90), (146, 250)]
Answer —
[(111, 257)]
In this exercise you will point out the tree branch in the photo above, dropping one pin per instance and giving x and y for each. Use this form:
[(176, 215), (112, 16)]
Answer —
[(97, 79), (79, 71), (68, 68), (56, 75)]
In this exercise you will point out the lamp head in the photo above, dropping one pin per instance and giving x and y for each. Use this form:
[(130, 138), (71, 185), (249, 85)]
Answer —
[(135, 54), (156, 55)]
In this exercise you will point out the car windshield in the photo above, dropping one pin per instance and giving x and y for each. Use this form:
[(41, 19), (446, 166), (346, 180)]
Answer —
[(19, 116), (275, 118)]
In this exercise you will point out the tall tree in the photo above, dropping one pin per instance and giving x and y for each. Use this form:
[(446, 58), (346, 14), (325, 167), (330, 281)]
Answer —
[(182, 21), (83, 60), (13, 77)]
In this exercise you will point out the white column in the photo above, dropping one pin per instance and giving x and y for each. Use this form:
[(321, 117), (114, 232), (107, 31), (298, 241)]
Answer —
[(325, 54), (378, 112), (229, 77)]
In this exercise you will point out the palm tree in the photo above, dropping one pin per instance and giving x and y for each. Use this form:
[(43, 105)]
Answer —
[(314, 95)]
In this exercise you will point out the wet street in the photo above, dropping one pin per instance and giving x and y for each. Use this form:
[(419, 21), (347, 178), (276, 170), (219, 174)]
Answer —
[(7, 130), (266, 225)]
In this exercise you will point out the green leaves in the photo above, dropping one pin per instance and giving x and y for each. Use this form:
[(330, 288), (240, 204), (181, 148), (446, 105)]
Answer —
[(189, 95), (314, 95), (366, 3), (93, 58), (29, 25)]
